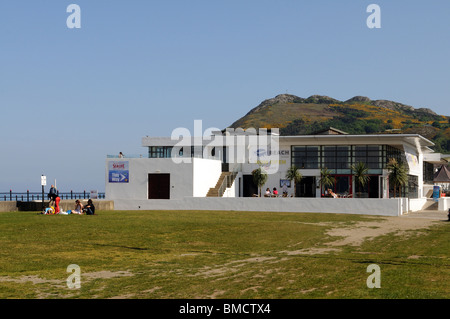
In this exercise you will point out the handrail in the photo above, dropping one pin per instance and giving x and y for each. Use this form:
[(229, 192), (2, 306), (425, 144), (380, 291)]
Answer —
[(32, 196), (227, 182)]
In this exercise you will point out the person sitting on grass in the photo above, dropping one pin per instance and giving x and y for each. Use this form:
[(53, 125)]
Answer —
[(78, 208), (89, 209), (48, 211)]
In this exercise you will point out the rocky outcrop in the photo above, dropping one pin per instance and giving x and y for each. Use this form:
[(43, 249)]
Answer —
[(281, 98), (322, 99), (358, 99)]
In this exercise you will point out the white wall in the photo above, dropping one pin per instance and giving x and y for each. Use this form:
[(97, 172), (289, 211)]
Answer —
[(181, 178), (444, 203), (233, 190), (206, 173), (365, 206), (416, 204), (186, 179)]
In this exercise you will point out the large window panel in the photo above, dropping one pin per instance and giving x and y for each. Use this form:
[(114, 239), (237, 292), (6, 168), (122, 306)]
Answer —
[(306, 156)]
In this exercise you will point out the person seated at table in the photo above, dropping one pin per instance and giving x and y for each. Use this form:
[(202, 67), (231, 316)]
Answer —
[(275, 192), (285, 191), (78, 208), (268, 193), (333, 194)]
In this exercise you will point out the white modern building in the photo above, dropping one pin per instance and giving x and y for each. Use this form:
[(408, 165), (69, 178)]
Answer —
[(190, 169)]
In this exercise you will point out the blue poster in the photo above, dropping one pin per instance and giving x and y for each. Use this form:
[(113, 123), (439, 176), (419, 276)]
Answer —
[(121, 176), (436, 193)]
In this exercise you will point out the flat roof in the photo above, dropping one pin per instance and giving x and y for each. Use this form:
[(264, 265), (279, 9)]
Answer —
[(424, 142), (412, 139)]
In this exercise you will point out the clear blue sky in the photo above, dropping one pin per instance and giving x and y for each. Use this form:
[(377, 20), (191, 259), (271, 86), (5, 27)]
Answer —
[(69, 97)]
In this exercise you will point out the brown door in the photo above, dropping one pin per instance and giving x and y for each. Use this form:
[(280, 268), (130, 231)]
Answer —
[(158, 186)]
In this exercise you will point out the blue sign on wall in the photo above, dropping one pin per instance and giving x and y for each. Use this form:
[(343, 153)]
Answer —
[(121, 176), (436, 193)]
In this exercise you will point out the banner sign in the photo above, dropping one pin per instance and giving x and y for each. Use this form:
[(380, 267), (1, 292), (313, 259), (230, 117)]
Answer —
[(118, 172), (119, 176), (118, 166), (436, 193), (413, 162)]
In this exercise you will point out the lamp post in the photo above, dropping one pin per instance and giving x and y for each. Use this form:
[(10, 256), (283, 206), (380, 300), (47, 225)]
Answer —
[(43, 183)]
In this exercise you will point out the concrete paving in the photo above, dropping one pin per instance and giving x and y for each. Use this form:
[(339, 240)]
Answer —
[(429, 214)]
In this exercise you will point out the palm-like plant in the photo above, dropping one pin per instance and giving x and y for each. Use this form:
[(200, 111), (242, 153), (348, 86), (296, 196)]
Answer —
[(293, 174), (326, 179), (360, 171), (398, 175), (259, 178)]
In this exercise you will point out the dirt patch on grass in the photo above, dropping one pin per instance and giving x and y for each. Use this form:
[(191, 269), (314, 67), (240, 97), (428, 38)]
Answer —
[(356, 234), (309, 251), (230, 267), (43, 284), (89, 276), (106, 274), (35, 280)]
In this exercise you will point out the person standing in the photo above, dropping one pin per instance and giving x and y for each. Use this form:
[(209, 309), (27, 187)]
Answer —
[(53, 192), (57, 199)]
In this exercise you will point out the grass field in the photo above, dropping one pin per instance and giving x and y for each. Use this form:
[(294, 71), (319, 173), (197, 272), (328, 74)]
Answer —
[(222, 255)]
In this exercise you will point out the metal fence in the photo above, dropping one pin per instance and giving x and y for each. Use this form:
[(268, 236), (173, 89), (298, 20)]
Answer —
[(32, 196)]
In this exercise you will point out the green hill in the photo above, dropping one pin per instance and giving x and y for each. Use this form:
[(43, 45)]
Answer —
[(359, 115)]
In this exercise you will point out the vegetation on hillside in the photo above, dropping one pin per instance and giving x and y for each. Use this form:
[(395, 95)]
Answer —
[(359, 115)]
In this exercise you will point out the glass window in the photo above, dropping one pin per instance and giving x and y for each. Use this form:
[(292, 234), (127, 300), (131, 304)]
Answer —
[(159, 151), (340, 158), (305, 156)]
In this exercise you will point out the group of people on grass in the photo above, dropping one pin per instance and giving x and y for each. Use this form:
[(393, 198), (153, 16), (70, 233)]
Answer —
[(54, 208)]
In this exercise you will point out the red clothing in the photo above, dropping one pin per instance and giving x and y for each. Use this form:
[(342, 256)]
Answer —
[(57, 200)]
